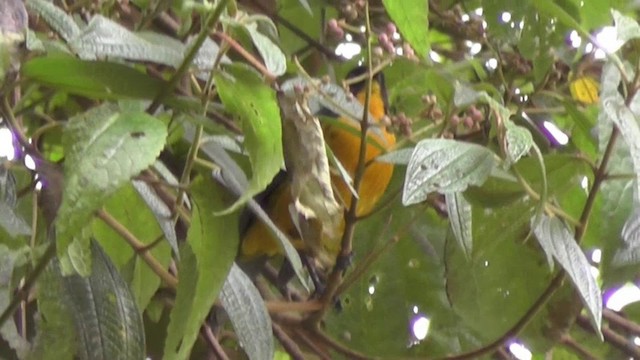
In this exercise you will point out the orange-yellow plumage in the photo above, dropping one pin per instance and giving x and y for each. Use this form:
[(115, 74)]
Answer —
[(345, 145)]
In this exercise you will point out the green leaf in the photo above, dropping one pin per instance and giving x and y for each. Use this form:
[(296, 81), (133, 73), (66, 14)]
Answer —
[(105, 38), (160, 211), (93, 79), (271, 53), (247, 97), (104, 149), (557, 241), (248, 314), (519, 142), (108, 322), (412, 19), (206, 260), (445, 166), (57, 338), (460, 216), (130, 210)]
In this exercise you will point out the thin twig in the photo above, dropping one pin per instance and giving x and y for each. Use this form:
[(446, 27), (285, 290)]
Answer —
[(139, 248), (186, 63), (287, 343), (213, 342)]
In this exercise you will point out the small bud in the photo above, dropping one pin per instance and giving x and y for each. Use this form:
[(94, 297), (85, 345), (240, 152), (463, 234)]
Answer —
[(468, 122), (391, 29), (455, 120)]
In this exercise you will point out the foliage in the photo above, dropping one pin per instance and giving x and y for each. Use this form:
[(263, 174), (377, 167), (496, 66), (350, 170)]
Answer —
[(139, 130)]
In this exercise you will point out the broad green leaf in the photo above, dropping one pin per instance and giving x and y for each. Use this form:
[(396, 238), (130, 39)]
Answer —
[(56, 18), (57, 337), (132, 212), (254, 104), (556, 240), (93, 79), (519, 142), (445, 166), (504, 275), (248, 314), (107, 320), (460, 217), (271, 53), (104, 149), (105, 38), (212, 246), (412, 19)]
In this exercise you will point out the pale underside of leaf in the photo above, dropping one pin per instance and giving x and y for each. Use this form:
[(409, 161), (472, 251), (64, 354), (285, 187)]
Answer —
[(459, 210), (248, 314), (556, 240), (444, 166)]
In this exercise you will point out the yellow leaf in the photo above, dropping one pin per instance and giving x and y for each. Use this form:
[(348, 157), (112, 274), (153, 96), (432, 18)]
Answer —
[(585, 90)]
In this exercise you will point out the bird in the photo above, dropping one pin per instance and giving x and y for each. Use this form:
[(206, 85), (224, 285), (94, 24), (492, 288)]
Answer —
[(344, 141)]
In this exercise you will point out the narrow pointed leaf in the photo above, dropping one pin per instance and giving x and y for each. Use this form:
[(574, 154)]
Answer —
[(254, 104), (212, 245), (108, 322), (105, 38), (617, 112), (626, 28), (248, 314), (555, 239), (445, 166), (104, 149), (460, 216), (271, 53), (161, 212), (93, 79), (59, 21)]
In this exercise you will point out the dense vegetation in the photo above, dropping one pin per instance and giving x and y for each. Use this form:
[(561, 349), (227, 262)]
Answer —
[(136, 133)]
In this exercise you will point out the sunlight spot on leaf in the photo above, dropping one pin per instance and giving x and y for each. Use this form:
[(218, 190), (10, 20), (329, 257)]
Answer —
[(629, 293), (420, 328), (636, 341), (596, 255), (520, 351), (556, 133), (435, 56), (584, 183), (372, 289), (505, 17), (465, 17), (492, 64), (29, 162), (574, 39), (607, 39), (348, 49)]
